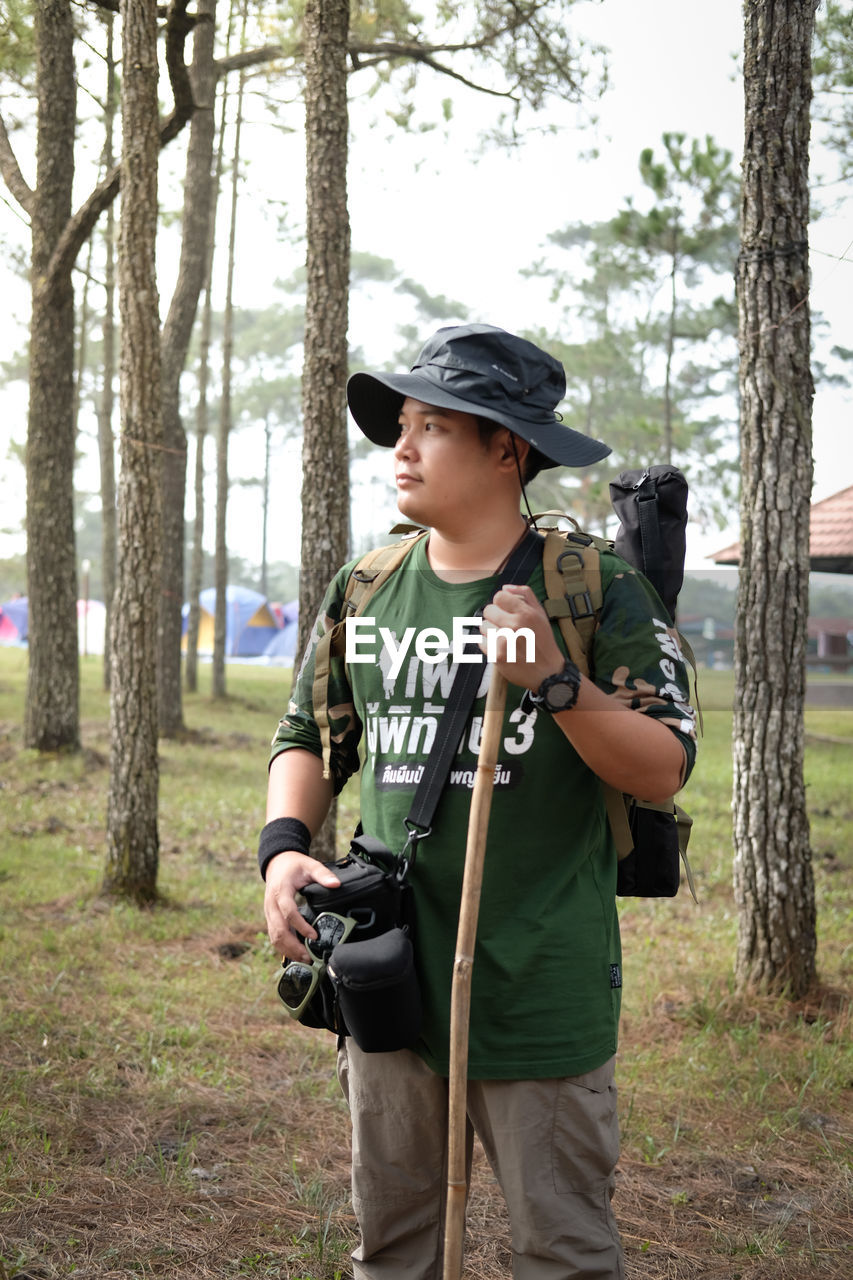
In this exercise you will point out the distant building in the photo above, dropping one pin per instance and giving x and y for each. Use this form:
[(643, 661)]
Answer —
[(830, 551)]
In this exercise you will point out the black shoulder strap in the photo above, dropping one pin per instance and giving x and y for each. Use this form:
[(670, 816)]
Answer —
[(452, 724)]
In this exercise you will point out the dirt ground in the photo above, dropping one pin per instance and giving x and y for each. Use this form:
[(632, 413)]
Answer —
[(249, 1177)]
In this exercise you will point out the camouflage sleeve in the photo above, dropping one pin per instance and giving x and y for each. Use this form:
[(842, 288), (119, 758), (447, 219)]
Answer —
[(637, 656), (297, 727)]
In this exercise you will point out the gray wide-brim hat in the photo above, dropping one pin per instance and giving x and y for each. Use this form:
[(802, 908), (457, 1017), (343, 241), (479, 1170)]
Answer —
[(478, 369)]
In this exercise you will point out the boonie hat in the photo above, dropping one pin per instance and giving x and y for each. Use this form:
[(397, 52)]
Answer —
[(479, 369)]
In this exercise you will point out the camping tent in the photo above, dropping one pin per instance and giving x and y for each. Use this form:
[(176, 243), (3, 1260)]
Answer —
[(249, 622), (282, 646), (91, 622), (13, 621)]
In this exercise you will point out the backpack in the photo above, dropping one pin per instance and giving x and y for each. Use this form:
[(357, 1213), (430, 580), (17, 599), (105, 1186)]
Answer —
[(651, 839)]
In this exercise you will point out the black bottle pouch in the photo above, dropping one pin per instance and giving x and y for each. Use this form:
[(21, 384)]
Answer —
[(653, 867), (377, 991)]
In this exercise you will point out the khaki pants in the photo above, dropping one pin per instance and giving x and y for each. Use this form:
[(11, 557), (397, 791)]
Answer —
[(553, 1145)]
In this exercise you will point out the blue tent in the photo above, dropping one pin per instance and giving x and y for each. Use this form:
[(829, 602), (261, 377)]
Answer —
[(250, 623), (14, 621), (282, 646)]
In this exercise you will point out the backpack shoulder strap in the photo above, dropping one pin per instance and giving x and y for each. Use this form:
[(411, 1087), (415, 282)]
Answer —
[(572, 566), (372, 571)]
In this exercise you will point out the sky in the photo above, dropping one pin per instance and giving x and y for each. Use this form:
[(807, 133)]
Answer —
[(671, 68), (466, 223)]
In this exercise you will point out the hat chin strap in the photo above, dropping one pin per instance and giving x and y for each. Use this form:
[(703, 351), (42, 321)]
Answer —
[(531, 519)]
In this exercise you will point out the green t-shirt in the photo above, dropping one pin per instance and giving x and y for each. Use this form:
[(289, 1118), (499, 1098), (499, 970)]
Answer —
[(547, 967)]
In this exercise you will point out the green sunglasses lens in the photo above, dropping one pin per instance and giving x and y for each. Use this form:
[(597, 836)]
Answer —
[(295, 984), (331, 929), (298, 981)]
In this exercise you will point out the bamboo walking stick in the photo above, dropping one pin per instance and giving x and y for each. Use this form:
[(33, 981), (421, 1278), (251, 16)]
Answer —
[(460, 996)]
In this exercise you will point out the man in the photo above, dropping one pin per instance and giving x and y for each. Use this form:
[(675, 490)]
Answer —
[(472, 421)]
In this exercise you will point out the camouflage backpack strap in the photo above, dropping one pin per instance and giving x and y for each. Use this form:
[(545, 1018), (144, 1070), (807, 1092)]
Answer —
[(570, 562), (372, 570), (572, 566)]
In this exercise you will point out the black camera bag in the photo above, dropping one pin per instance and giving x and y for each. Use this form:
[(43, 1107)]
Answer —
[(377, 989), (373, 892), (370, 889)]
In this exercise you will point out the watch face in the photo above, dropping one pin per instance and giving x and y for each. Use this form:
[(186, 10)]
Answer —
[(560, 696), (560, 692)]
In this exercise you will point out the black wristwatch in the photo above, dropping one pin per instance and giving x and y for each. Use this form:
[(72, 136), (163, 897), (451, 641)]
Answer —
[(558, 692)]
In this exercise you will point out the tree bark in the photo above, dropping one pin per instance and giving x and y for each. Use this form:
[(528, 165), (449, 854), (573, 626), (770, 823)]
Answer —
[(265, 504), (197, 553), (202, 417), (106, 437), (325, 506), (177, 331), (52, 718), (220, 622), (132, 831), (670, 351), (773, 880)]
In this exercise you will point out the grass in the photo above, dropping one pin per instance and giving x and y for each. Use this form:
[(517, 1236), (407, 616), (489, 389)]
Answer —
[(159, 1115)]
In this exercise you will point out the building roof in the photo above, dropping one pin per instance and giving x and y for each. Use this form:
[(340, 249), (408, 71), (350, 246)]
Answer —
[(830, 536), (829, 626)]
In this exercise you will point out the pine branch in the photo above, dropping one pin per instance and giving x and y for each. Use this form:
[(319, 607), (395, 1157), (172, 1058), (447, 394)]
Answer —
[(372, 53), (248, 58), (415, 53), (11, 172), (77, 231)]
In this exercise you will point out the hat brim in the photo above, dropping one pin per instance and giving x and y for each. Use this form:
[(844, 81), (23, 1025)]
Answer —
[(375, 400)]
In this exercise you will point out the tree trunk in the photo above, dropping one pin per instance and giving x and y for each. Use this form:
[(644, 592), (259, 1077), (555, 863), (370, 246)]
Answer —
[(197, 554), (83, 337), (106, 439), (106, 446), (202, 415), (177, 331), (773, 880), (266, 503), (132, 833), (325, 454), (220, 622), (52, 718), (670, 351), (52, 715)]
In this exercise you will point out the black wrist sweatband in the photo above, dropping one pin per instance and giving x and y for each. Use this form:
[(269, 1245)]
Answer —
[(279, 836)]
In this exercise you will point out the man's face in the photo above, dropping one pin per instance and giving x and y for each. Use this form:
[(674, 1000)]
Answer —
[(443, 469)]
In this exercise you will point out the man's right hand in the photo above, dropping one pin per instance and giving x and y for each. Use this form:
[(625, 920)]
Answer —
[(287, 873)]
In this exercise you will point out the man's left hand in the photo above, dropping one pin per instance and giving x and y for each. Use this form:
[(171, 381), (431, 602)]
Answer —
[(536, 654)]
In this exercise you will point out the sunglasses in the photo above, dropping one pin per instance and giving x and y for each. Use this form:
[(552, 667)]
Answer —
[(298, 982)]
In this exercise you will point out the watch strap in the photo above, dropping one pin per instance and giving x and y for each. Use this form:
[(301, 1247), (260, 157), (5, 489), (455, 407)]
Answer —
[(568, 674)]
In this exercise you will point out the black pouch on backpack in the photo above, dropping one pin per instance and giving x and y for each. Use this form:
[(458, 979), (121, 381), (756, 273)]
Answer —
[(652, 510), (378, 993), (653, 867)]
